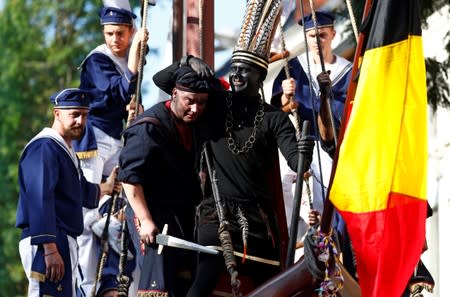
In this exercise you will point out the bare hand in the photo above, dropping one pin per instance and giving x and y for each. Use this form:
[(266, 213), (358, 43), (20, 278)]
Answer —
[(313, 217), (148, 231), (288, 86), (111, 185), (287, 102), (54, 266), (110, 293), (141, 35), (131, 108)]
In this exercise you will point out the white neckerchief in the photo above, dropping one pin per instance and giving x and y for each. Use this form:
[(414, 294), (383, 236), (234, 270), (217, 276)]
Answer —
[(337, 69), (55, 136), (120, 63)]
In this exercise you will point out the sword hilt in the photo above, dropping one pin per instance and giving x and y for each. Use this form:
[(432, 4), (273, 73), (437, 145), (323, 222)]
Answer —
[(164, 231)]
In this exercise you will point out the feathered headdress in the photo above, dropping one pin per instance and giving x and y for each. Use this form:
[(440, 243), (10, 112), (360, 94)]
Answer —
[(258, 28)]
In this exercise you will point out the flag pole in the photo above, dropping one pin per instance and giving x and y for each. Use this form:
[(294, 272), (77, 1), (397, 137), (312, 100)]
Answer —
[(325, 224)]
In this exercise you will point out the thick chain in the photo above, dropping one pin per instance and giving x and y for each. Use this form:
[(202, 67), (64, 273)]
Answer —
[(248, 144)]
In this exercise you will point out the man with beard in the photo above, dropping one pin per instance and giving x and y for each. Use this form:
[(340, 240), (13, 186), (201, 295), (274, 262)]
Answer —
[(53, 191)]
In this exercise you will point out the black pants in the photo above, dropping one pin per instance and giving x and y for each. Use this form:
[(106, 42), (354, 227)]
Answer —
[(259, 243), (211, 267), (173, 270)]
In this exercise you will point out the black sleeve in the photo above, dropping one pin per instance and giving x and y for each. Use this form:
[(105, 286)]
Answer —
[(285, 135), (163, 79), (133, 159), (329, 147)]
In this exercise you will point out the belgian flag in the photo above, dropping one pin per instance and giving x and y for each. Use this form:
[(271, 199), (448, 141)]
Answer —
[(379, 185)]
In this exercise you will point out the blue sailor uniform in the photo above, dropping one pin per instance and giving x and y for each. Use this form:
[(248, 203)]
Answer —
[(52, 193), (111, 83), (322, 162), (340, 78)]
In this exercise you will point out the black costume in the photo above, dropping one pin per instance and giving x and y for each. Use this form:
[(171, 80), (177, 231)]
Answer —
[(244, 180), (154, 156), (246, 186)]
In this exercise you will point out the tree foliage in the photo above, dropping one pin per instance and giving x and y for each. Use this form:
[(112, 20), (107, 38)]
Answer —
[(438, 89), (45, 42)]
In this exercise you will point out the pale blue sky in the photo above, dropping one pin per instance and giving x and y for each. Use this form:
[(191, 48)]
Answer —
[(227, 19)]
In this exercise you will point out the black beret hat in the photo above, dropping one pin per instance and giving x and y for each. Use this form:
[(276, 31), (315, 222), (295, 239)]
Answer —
[(186, 79)]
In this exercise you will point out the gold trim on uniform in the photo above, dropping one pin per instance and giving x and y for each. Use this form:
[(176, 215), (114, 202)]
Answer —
[(87, 155), (152, 294), (37, 276)]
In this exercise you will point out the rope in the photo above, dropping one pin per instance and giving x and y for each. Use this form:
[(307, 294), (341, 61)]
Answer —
[(311, 92), (122, 279), (224, 234), (352, 18), (105, 246), (230, 260), (321, 261), (142, 48), (288, 75), (322, 65), (311, 260), (308, 192)]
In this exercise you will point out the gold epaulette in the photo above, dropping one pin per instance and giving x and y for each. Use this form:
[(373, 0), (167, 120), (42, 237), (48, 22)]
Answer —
[(87, 155)]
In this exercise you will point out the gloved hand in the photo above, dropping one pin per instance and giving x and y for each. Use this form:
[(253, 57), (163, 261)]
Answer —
[(324, 82), (306, 147), (199, 66)]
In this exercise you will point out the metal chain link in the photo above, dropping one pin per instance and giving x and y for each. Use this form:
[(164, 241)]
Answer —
[(248, 144)]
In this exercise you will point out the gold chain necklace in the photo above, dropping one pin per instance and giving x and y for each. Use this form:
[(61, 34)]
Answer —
[(248, 144)]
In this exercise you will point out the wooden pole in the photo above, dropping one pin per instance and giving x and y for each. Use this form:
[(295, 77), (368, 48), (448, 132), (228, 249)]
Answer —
[(200, 30), (177, 29)]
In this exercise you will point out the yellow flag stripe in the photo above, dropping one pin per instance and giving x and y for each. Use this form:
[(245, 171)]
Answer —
[(385, 144)]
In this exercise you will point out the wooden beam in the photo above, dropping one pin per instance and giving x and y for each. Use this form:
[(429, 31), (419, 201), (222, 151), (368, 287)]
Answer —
[(200, 29), (177, 29)]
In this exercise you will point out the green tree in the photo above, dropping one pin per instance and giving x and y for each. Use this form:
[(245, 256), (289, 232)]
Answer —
[(438, 89), (43, 43)]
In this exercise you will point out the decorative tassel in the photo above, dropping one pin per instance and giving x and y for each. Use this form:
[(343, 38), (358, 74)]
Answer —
[(243, 223)]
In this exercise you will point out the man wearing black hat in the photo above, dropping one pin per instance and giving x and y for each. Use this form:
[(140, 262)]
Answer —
[(52, 192), (244, 134), (159, 178)]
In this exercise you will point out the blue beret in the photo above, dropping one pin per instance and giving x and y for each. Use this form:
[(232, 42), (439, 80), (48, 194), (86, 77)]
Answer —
[(116, 16), (323, 19), (72, 98)]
